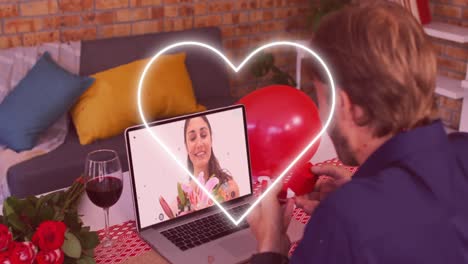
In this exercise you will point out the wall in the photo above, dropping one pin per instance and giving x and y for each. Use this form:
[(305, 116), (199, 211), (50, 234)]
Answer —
[(452, 57), (244, 23)]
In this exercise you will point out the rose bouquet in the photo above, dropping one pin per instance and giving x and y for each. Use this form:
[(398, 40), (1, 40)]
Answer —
[(46, 229), (191, 197)]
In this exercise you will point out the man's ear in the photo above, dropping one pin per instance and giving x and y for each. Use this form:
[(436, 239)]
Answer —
[(348, 110)]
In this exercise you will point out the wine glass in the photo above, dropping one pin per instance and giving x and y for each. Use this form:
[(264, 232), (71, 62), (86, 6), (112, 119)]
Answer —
[(104, 183)]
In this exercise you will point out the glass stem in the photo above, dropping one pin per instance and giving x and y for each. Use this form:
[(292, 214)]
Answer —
[(106, 216)]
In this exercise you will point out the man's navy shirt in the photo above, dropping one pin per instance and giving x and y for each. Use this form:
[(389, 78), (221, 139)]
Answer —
[(408, 203)]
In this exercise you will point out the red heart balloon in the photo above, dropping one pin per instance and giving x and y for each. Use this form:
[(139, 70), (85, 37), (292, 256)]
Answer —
[(302, 181), (281, 122)]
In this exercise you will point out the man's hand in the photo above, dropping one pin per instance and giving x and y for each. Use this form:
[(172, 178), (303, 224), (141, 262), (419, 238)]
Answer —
[(339, 176), (269, 222)]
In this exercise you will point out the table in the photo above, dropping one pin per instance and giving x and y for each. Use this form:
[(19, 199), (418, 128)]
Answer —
[(123, 227), (127, 241), (122, 211)]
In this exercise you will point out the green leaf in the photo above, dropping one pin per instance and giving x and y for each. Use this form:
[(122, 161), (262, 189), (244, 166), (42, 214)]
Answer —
[(257, 69), (56, 197), (261, 65), (216, 189), (89, 252), (31, 200), (181, 194), (42, 200), (89, 240), (86, 260), (46, 213), (219, 198), (21, 204), (7, 208), (58, 213), (29, 210), (71, 220), (71, 246), (15, 222), (12, 205), (280, 78)]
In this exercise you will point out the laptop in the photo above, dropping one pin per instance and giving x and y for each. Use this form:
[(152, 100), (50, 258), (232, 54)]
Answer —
[(172, 213)]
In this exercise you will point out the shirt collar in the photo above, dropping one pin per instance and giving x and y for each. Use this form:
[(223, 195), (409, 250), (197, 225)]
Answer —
[(402, 145)]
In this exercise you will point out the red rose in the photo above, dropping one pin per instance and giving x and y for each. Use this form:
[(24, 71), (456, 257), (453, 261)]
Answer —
[(50, 257), (5, 257), (5, 237), (80, 180), (49, 235), (23, 253)]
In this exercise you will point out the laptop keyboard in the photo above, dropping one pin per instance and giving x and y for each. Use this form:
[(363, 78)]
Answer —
[(206, 229)]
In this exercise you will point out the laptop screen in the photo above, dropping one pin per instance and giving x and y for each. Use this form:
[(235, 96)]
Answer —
[(211, 145)]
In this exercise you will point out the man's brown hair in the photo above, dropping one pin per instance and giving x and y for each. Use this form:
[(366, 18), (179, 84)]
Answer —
[(381, 57)]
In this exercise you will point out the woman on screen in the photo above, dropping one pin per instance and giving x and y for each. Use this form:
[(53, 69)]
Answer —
[(203, 164)]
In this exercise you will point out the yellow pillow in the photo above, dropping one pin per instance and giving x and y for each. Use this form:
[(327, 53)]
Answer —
[(109, 106)]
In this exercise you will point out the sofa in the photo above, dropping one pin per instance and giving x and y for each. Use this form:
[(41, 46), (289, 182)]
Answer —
[(59, 168)]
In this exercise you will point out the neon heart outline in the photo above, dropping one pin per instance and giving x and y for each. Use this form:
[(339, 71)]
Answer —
[(236, 70)]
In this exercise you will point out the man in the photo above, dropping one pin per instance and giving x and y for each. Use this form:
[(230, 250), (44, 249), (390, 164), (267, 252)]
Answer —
[(408, 201)]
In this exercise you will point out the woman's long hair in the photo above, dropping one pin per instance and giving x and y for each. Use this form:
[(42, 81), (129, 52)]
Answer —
[(213, 164)]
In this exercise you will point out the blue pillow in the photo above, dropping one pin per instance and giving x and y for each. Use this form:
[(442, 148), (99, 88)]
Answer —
[(40, 98)]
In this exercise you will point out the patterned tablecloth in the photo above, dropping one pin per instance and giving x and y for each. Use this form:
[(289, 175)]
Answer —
[(128, 243)]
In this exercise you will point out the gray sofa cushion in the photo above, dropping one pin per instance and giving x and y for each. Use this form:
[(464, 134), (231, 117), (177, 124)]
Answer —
[(60, 167), (207, 71)]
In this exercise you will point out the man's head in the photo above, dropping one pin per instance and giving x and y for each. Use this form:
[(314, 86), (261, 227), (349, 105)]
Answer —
[(385, 69)]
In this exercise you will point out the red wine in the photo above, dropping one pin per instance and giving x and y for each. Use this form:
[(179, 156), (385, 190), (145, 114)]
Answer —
[(104, 191)]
